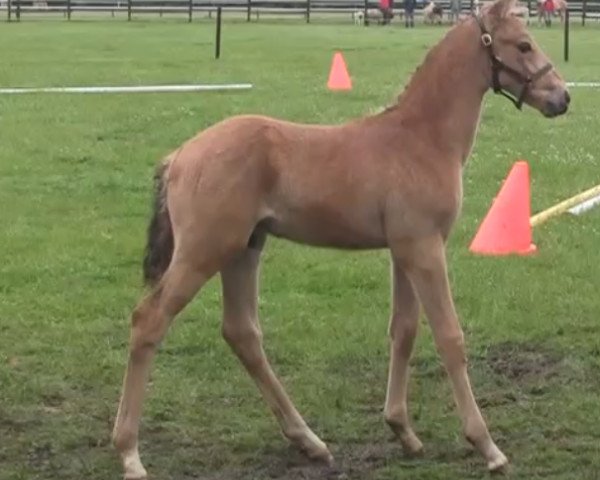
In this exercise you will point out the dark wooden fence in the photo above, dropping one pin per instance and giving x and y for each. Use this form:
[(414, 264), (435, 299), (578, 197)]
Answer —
[(252, 9)]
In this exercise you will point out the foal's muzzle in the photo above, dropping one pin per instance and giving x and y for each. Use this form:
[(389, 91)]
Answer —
[(557, 104)]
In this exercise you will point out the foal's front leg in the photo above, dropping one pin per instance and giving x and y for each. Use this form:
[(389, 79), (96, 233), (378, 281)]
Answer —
[(426, 266), (403, 330)]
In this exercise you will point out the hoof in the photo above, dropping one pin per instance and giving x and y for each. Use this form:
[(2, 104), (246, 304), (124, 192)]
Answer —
[(312, 446), (136, 476), (496, 460), (323, 455), (411, 445), (134, 470), (499, 464), (140, 475)]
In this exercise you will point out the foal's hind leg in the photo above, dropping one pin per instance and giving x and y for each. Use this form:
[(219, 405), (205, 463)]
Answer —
[(149, 323), (242, 332), (426, 266), (402, 331)]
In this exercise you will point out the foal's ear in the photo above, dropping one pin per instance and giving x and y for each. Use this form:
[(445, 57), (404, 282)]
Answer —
[(502, 8)]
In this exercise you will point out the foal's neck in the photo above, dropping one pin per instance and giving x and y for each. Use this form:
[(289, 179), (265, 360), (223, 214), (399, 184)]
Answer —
[(443, 100)]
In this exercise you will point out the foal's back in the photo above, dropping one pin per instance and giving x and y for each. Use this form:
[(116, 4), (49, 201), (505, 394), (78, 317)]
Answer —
[(315, 184)]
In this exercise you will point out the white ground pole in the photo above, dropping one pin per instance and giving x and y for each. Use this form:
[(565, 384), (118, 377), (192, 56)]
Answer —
[(585, 206), (130, 89), (583, 84)]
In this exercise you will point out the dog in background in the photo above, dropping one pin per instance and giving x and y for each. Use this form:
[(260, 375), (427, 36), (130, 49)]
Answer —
[(433, 13), (359, 17), (373, 14)]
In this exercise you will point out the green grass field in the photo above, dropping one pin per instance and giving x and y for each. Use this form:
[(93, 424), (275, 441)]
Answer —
[(75, 189)]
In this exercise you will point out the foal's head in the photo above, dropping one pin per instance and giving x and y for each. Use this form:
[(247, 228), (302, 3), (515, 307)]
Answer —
[(519, 67)]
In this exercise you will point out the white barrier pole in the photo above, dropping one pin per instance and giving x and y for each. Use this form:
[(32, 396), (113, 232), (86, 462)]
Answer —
[(130, 89), (583, 84)]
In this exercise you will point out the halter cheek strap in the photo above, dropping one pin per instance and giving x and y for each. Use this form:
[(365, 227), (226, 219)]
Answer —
[(499, 66)]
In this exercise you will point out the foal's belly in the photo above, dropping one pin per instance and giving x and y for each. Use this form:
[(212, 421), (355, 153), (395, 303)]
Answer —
[(319, 227)]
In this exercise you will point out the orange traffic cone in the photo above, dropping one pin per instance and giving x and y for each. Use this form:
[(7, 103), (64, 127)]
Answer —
[(506, 228), (339, 79)]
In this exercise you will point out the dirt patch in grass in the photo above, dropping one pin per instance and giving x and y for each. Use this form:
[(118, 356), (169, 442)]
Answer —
[(524, 362), (10, 424), (353, 462), (39, 456)]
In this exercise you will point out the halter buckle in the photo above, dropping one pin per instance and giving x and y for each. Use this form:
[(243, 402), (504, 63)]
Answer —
[(486, 39)]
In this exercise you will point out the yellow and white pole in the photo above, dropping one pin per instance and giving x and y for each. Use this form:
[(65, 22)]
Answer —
[(563, 206)]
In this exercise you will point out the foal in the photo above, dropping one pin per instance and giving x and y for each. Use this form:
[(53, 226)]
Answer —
[(390, 180)]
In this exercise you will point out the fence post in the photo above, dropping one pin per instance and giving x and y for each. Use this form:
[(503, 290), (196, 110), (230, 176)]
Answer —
[(18, 10), (218, 34), (307, 11), (567, 35), (129, 10), (190, 7), (248, 10), (366, 18), (68, 9), (583, 9), (9, 11)]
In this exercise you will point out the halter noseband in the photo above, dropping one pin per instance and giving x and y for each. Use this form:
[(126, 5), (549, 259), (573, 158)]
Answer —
[(498, 66)]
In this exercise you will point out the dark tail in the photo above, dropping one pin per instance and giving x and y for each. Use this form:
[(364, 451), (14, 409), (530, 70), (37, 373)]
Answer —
[(159, 248)]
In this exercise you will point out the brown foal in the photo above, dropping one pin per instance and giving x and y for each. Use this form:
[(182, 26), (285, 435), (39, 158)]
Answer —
[(390, 180)]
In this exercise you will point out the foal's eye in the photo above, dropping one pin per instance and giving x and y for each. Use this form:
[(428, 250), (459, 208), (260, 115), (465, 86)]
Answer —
[(524, 47)]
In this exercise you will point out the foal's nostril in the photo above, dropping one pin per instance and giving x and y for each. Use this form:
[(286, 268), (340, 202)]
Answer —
[(555, 108), (567, 97)]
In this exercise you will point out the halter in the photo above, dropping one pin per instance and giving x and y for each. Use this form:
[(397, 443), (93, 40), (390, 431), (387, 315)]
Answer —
[(498, 66)]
